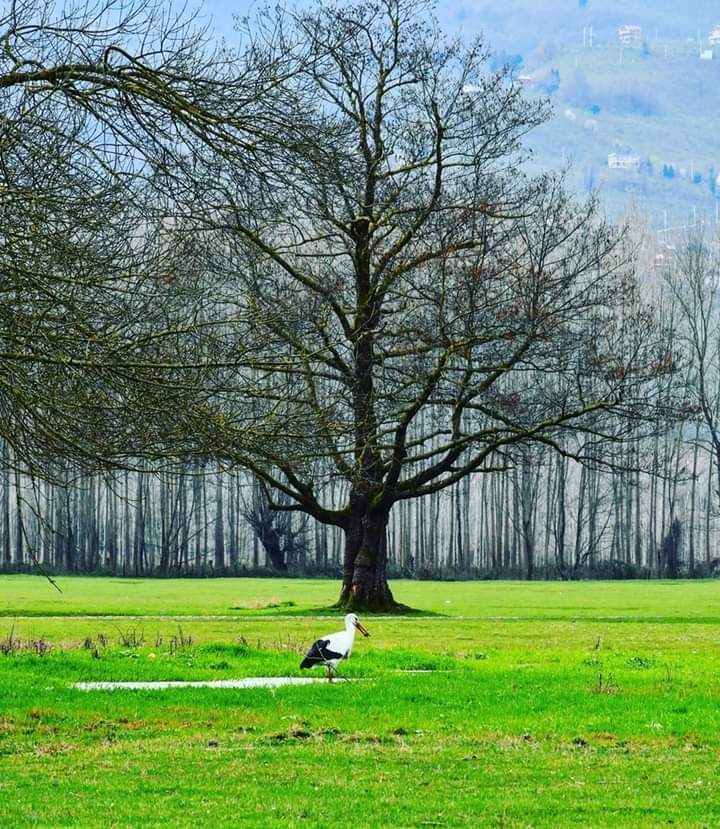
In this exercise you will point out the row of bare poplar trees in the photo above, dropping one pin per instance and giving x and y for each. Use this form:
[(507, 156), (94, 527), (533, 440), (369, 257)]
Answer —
[(649, 508), (546, 517)]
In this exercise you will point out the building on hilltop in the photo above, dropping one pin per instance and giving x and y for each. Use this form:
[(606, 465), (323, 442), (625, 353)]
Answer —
[(628, 35), (714, 37), (618, 161)]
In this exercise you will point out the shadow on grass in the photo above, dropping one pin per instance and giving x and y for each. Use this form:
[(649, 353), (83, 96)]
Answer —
[(331, 610), (230, 613)]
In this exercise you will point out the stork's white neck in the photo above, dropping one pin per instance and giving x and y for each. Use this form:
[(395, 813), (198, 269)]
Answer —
[(350, 632)]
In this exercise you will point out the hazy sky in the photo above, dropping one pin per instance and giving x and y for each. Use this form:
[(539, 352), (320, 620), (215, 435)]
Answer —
[(223, 11), (452, 15)]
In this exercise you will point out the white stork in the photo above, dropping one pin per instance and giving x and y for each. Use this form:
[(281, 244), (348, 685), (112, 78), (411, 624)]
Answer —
[(330, 650)]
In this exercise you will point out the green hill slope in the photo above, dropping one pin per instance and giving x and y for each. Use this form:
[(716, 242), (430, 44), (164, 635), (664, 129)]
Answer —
[(520, 25), (656, 100), (658, 105)]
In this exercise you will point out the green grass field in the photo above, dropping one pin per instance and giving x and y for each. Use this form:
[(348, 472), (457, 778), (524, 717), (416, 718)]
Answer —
[(538, 705)]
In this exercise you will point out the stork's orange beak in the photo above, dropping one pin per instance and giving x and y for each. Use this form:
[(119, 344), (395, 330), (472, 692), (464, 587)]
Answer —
[(361, 629)]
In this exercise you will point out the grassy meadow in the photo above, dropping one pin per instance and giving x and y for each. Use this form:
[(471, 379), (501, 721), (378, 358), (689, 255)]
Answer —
[(496, 704)]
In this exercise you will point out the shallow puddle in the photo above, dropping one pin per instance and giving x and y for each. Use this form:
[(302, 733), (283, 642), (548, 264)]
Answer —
[(247, 682)]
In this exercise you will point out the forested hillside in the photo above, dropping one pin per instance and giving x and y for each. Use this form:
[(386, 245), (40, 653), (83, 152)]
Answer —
[(654, 98), (521, 25)]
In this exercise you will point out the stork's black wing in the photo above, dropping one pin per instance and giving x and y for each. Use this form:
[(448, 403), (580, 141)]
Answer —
[(319, 654)]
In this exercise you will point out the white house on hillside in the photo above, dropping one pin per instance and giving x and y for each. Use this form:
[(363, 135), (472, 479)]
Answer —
[(629, 34), (618, 161)]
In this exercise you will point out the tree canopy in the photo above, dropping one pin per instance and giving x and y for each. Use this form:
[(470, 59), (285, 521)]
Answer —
[(98, 98)]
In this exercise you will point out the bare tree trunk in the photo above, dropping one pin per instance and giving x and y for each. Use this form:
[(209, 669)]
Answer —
[(653, 536), (48, 546), (561, 517), (6, 549), (433, 530), (93, 525), (364, 585), (127, 544), (197, 521), (516, 522), (708, 510), (19, 523), (578, 557), (693, 502), (507, 526), (665, 521), (627, 481), (593, 502), (139, 537), (164, 497), (420, 530), (638, 522), (528, 503), (219, 526), (232, 521), (185, 518), (205, 522), (111, 530), (460, 537), (70, 558)]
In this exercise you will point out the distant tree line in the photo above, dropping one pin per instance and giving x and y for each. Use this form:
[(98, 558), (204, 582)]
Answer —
[(649, 506), (547, 517)]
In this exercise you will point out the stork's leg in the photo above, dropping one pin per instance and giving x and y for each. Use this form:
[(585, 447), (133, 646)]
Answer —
[(330, 673)]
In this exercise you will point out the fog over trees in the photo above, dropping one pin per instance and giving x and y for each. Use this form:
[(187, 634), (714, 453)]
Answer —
[(298, 307)]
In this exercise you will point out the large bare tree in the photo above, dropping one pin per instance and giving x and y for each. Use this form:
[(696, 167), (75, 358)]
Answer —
[(402, 305)]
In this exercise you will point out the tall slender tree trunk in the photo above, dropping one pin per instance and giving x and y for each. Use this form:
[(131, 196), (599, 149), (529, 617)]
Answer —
[(593, 502), (708, 512), (127, 547), (561, 518), (197, 522), (652, 533), (232, 521), (140, 519), (578, 558), (19, 523), (507, 528), (219, 526), (111, 532), (420, 507), (6, 549), (516, 534), (184, 547), (638, 523), (70, 560), (461, 538), (48, 518), (693, 502), (164, 496)]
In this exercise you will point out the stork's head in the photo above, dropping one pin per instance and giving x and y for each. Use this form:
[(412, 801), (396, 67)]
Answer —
[(352, 621)]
